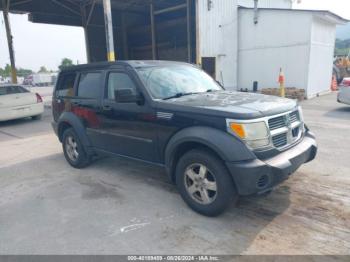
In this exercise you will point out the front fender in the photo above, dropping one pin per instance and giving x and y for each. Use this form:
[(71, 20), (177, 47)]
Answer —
[(228, 147)]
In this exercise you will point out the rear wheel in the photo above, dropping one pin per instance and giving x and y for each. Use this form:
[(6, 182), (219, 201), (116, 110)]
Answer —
[(73, 149), (204, 183)]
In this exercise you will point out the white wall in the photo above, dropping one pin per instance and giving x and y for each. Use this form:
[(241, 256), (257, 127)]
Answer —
[(267, 3), (281, 39), (217, 34), (321, 57)]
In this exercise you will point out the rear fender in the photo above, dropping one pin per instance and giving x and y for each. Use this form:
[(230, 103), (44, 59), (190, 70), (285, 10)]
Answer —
[(78, 126)]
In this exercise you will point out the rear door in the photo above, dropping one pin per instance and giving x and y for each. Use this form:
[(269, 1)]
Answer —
[(86, 103)]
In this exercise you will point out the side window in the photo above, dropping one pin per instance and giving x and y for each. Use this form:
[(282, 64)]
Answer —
[(89, 85), (13, 90), (119, 81), (66, 85), (22, 89), (3, 91)]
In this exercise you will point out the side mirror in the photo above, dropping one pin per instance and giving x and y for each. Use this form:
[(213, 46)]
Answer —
[(127, 96)]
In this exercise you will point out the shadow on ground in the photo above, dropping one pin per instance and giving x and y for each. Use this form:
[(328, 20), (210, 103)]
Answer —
[(343, 112)]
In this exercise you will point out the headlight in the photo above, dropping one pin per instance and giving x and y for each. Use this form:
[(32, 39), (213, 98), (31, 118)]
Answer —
[(254, 134)]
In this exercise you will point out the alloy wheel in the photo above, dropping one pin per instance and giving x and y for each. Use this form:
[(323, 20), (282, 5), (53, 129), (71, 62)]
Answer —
[(200, 184)]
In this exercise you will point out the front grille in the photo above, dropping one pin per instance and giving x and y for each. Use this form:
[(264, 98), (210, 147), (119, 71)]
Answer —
[(280, 140), (285, 129), (277, 122), (294, 116)]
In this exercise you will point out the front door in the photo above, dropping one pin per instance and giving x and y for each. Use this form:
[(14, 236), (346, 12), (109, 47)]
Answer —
[(128, 128)]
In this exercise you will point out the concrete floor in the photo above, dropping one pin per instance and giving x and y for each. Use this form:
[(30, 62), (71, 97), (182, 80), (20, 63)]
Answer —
[(116, 206)]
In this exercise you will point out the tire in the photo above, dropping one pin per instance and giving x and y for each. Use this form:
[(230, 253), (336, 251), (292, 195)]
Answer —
[(73, 149), (37, 117), (210, 173)]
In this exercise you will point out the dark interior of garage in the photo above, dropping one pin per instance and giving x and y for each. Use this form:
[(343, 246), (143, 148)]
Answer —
[(142, 29)]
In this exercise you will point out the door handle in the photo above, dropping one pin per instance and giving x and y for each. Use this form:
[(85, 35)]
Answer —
[(76, 103), (107, 108)]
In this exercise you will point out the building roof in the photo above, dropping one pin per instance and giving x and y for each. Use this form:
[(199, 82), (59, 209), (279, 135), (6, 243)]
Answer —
[(323, 14)]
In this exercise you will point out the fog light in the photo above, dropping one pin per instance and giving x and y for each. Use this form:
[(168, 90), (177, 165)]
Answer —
[(263, 181)]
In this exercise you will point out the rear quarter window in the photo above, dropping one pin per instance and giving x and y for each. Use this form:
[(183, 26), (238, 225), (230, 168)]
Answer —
[(89, 85), (65, 86)]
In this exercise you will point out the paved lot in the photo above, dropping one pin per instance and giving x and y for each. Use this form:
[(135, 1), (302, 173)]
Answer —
[(117, 206)]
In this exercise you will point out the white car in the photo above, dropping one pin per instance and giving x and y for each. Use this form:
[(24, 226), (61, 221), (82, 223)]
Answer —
[(344, 91), (17, 102)]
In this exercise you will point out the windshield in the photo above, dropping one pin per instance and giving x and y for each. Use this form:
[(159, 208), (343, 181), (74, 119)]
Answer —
[(172, 81)]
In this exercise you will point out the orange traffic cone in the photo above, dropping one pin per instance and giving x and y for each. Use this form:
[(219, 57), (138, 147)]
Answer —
[(334, 86), (281, 80)]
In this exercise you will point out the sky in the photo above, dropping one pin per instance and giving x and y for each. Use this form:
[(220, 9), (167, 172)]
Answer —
[(39, 45)]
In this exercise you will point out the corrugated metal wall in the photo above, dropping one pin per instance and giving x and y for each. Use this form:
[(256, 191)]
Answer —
[(217, 35), (304, 49)]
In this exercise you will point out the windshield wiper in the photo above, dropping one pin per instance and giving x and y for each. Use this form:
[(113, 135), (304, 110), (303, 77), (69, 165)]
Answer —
[(179, 95)]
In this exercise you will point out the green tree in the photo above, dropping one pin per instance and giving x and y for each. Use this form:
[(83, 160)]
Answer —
[(7, 70), (43, 69), (24, 72), (65, 62)]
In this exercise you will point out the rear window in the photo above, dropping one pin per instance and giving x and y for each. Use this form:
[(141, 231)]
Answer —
[(89, 85), (3, 91), (66, 85), (9, 90)]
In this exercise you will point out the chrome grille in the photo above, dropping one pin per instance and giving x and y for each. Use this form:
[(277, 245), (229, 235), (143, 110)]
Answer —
[(277, 122), (294, 116), (280, 140), (285, 129)]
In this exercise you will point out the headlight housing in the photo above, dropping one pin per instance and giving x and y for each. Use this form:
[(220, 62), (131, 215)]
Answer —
[(254, 134)]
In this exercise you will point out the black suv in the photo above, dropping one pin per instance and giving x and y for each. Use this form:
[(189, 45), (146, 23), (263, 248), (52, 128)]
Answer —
[(214, 144)]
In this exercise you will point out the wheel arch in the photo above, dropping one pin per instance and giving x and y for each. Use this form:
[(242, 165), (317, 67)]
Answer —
[(69, 120), (225, 146)]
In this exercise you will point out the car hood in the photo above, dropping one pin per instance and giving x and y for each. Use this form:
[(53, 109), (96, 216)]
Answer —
[(241, 104)]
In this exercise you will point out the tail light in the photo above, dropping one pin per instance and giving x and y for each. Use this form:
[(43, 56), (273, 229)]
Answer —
[(38, 98), (345, 82)]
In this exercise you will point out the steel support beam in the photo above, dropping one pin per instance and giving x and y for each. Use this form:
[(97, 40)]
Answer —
[(125, 37), (66, 7), (153, 32), (109, 30), (6, 5), (170, 9), (85, 24), (189, 36)]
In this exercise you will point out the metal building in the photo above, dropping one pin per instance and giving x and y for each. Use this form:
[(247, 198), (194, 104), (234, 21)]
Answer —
[(301, 42), (236, 46)]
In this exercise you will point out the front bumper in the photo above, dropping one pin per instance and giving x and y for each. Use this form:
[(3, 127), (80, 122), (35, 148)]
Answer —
[(258, 176)]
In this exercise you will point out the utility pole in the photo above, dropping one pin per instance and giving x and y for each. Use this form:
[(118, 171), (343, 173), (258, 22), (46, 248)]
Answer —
[(6, 7), (107, 10)]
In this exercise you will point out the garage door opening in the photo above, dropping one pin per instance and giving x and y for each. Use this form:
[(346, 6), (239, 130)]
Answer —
[(159, 29)]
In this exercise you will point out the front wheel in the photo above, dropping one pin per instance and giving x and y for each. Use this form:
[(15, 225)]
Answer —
[(73, 149), (204, 183)]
